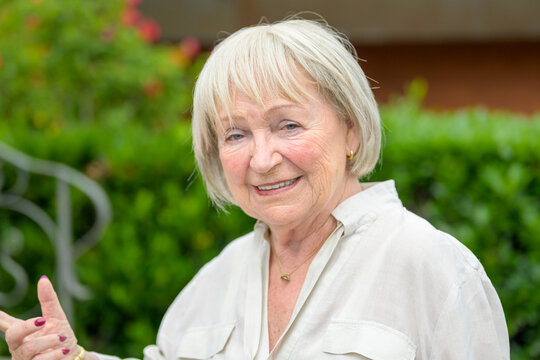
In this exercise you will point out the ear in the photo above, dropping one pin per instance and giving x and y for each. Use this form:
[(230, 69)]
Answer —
[(353, 136)]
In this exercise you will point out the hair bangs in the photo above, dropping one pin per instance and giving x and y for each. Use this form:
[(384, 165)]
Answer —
[(258, 76)]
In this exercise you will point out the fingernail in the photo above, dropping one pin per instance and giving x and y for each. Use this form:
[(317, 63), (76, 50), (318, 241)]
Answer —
[(62, 338), (44, 277), (40, 322), (65, 351)]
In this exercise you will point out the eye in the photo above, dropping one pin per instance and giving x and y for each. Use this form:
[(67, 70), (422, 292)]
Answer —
[(234, 136), (289, 125)]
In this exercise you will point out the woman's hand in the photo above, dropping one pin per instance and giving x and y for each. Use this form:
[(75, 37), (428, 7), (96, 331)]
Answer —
[(46, 338)]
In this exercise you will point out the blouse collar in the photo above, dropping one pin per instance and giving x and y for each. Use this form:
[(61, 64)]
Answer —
[(357, 210), (363, 207)]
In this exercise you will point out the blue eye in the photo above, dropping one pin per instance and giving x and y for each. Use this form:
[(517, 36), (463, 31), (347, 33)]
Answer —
[(235, 137), (290, 126)]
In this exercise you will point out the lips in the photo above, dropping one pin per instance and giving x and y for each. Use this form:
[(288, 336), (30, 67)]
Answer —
[(276, 186)]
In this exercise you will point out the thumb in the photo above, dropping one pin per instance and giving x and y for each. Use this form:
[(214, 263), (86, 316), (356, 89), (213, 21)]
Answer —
[(50, 306), (5, 321)]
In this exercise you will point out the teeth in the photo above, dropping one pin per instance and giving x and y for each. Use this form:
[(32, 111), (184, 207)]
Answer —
[(276, 186)]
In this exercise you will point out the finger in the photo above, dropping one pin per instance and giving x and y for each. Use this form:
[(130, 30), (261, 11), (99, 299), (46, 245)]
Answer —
[(31, 348), (16, 333), (6, 321), (50, 306), (58, 354)]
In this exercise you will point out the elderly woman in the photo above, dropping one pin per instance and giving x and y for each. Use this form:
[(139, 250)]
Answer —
[(284, 125)]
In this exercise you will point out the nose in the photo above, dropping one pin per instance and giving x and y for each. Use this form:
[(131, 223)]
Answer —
[(264, 155)]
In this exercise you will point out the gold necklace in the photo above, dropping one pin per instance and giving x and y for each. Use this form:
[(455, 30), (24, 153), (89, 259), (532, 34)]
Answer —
[(287, 276)]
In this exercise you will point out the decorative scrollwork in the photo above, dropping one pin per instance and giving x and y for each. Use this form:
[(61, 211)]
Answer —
[(59, 230), (12, 244)]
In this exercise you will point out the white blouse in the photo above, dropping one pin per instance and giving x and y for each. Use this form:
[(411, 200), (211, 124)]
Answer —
[(385, 286)]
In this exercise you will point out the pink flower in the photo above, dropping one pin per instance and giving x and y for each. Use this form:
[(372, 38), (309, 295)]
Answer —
[(190, 47), (149, 30), (131, 17)]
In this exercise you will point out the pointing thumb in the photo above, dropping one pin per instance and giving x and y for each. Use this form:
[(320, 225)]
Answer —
[(50, 306)]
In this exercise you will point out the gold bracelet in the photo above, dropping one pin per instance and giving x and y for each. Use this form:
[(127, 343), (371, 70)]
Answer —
[(81, 354)]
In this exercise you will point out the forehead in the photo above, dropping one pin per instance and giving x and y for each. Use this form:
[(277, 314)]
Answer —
[(268, 101)]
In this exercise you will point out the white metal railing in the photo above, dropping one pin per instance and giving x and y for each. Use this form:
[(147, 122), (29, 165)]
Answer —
[(58, 230)]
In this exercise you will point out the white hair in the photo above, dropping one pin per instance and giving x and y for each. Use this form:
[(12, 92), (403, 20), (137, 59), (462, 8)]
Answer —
[(267, 59)]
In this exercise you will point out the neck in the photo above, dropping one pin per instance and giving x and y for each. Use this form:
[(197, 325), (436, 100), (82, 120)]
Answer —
[(295, 241)]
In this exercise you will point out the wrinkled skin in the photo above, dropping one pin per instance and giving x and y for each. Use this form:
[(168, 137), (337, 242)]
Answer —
[(47, 338)]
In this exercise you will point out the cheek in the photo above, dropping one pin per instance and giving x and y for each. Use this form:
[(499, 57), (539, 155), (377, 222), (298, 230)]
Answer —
[(234, 166), (311, 155), (303, 156), (319, 160)]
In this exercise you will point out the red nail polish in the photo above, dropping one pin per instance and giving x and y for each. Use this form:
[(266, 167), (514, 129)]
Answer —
[(62, 338), (65, 351), (40, 322)]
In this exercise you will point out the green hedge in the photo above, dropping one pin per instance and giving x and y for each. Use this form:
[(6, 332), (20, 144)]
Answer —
[(473, 173), (88, 61)]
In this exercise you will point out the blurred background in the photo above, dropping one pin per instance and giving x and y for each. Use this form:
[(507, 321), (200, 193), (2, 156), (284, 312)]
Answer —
[(104, 87), (484, 52)]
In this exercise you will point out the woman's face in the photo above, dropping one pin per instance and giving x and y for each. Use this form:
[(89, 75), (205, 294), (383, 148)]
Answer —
[(285, 163)]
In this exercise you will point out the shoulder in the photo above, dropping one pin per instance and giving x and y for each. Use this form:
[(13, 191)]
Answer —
[(426, 256), (450, 279), (214, 288), (421, 241)]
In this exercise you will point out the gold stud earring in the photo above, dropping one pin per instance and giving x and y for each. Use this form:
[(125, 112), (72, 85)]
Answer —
[(350, 155)]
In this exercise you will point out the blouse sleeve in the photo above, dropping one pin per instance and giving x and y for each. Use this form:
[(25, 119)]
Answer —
[(471, 324)]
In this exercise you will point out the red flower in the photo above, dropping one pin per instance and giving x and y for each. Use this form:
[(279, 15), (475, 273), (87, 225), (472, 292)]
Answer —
[(131, 17), (190, 47), (149, 30)]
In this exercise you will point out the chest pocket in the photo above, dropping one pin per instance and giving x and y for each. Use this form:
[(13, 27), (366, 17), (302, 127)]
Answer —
[(367, 340), (204, 342)]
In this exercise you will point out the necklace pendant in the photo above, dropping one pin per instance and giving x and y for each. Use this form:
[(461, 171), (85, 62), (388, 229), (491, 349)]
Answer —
[(285, 277)]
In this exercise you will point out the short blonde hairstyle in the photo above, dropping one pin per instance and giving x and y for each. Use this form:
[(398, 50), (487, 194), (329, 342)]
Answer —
[(266, 59)]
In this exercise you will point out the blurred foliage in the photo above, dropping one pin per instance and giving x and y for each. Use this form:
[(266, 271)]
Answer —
[(82, 83), (92, 61)]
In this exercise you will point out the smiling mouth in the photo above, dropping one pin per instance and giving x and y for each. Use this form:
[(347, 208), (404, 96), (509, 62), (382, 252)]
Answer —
[(277, 186)]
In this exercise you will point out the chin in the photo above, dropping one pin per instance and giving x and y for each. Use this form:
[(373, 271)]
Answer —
[(280, 217)]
